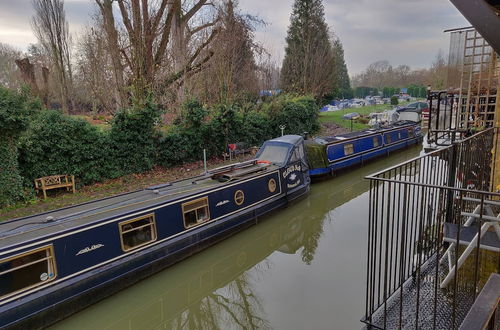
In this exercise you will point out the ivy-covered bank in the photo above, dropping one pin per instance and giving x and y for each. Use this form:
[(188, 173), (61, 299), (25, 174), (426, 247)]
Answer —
[(16, 110), (38, 142)]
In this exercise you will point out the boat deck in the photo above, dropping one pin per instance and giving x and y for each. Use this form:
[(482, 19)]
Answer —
[(40, 225)]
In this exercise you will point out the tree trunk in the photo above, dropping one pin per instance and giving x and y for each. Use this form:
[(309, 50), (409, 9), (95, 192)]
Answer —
[(106, 8), (28, 74)]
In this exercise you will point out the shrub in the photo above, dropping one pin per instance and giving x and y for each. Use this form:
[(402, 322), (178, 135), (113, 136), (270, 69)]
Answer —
[(131, 140), (230, 123), (15, 111), (298, 114), (59, 144), (11, 182), (394, 100)]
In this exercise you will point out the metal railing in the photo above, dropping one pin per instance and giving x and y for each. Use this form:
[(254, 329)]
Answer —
[(430, 236), (442, 124)]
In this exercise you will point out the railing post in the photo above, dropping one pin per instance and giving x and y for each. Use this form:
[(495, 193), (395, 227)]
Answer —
[(452, 173)]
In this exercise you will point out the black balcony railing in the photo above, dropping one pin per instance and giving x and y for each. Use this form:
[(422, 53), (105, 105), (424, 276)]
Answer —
[(443, 123), (433, 236)]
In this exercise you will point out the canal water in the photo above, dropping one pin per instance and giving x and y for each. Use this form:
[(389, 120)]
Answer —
[(302, 267)]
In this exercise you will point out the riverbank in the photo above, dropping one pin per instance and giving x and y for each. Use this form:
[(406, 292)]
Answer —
[(60, 198), (336, 117)]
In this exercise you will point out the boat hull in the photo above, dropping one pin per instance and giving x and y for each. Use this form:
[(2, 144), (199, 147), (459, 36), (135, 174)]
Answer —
[(364, 148), (59, 301)]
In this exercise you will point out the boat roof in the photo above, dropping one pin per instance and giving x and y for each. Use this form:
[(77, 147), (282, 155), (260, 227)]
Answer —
[(371, 131), (291, 139), (45, 224)]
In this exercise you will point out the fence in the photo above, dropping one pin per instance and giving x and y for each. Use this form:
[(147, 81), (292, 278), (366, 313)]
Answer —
[(443, 127), (431, 246)]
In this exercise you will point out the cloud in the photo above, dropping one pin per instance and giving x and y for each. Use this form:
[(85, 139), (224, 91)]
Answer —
[(400, 31), (15, 18)]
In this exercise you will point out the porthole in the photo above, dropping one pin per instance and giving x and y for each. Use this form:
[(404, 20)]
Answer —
[(239, 197), (272, 185)]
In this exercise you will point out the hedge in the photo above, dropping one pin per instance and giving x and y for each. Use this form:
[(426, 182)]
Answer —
[(58, 144), (15, 112)]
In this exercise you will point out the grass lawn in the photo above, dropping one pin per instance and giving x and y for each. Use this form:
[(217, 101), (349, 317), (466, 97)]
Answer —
[(358, 124)]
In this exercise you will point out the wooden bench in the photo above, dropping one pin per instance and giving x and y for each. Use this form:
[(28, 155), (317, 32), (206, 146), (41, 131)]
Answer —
[(55, 181)]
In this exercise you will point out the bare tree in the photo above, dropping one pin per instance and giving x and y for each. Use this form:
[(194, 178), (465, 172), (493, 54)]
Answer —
[(51, 29), (382, 74), (268, 73), (149, 28), (438, 72), (96, 76), (232, 71), (9, 74)]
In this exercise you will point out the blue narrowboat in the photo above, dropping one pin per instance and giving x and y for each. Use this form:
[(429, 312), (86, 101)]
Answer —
[(329, 154), (56, 263)]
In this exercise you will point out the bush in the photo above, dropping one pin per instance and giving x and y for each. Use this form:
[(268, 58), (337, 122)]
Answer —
[(298, 114), (11, 182), (15, 111), (59, 144), (394, 100), (132, 140), (233, 123)]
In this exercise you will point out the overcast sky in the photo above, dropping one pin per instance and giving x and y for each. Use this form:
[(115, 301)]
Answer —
[(400, 31)]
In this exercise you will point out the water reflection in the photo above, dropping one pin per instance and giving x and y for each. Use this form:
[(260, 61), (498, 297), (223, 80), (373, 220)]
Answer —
[(222, 287)]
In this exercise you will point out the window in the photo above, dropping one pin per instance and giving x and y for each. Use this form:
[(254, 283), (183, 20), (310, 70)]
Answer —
[(300, 150), (399, 135), (195, 212), (271, 185), (295, 155), (348, 149), (137, 232), (239, 197), (273, 153), (388, 138), (27, 270), (375, 141)]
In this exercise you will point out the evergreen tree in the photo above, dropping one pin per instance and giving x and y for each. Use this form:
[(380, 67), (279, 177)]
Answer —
[(342, 83), (308, 63)]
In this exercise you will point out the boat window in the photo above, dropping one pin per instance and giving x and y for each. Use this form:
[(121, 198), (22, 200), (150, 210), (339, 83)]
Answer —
[(399, 135), (195, 212), (389, 138), (274, 153), (27, 270), (375, 141), (295, 155), (137, 232), (239, 197), (348, 149), (300, 150)]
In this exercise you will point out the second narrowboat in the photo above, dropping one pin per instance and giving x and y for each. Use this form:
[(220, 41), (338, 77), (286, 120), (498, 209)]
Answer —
[(326, 155)]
